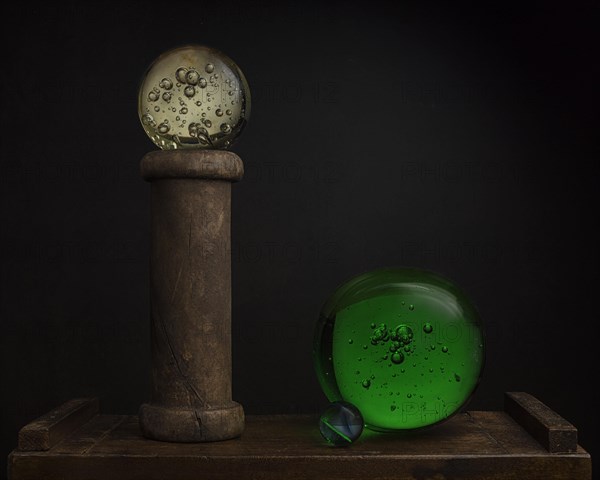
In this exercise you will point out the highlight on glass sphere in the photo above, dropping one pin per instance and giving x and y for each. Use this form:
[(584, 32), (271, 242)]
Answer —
[(193, 97), (405, 346)]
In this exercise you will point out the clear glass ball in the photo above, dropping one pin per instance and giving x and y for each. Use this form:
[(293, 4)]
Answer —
[(341, 424), (193, 97), (405, 346)]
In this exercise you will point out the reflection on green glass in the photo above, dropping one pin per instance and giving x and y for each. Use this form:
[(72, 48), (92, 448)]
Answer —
[(403, 345)]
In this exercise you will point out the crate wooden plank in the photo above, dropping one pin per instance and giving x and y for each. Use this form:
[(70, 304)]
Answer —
[(326, 467), (508, 434), (45, 432), (298, 436), (469, 446), (542, 423), (90, 434)]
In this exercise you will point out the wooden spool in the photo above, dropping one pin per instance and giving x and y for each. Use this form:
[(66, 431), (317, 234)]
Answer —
[(190, 292)]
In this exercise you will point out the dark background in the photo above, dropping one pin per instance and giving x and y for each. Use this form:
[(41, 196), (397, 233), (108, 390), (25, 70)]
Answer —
[(459, 140)]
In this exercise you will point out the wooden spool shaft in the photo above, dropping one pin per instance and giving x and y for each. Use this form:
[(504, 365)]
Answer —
[(190, 290)]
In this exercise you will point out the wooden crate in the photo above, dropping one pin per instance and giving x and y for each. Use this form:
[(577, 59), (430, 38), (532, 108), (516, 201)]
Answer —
[(526, 441)]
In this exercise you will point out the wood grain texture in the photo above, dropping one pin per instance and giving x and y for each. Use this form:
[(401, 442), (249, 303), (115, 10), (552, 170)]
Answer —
[(542, 423), (474, 445), (192, 163), (190, 292), (45, 432)]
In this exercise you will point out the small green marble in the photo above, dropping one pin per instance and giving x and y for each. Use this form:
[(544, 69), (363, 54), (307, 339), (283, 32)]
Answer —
[(341, 424)]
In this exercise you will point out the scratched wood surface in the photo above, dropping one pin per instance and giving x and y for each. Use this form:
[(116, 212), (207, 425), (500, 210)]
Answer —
[(473, 445)]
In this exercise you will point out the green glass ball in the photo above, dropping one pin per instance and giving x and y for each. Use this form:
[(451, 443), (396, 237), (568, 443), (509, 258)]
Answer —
[(405, 346), (193, 97)]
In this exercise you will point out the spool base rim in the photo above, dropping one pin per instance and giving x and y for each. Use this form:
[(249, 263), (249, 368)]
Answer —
[(190, 425)]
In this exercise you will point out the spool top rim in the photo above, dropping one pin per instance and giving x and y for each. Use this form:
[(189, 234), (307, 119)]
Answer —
[(198, 164)]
